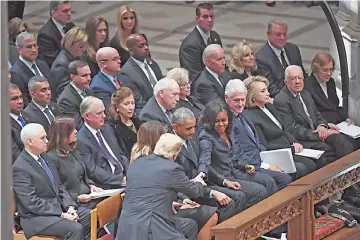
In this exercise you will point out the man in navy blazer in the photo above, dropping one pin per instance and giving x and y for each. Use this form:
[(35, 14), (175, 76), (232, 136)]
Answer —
[(108, 164), (276, 55), (247, 139), (27, 65), (108, 79), (192, 47)]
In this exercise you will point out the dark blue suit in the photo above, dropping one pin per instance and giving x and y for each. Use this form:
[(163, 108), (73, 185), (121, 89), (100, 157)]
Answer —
[(249, 148)]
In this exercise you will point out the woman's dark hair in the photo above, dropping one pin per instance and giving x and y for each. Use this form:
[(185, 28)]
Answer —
[(147, 137), (209, 114), (90, 28), (59, 133), (116, 98), (13, 28)]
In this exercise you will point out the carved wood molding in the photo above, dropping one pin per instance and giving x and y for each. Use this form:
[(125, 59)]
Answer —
[(270, 222), (335, 185)]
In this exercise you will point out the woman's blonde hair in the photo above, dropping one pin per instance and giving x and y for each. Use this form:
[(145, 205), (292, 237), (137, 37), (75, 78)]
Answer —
[(119, 27), (73, 36), (237, 53), (321, 59), (251, 83), (168, 145), (180, 75), (147, 137)]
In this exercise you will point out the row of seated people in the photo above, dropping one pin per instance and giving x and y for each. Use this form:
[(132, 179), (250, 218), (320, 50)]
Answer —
[(228, 153)]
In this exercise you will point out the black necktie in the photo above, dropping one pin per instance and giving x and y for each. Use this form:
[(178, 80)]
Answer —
[(209, 41), (49, 115), (306, 113), (283, 60), (37, 73), (47, 171), (117, 165), (221, 81), (190, 149), (152, 80), (169, 115)]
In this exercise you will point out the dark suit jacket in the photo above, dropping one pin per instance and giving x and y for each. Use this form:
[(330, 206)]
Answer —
[(194, 105), (327, 106), (93, 65), (123, 53), (97, 166), (152, 111), (138, 78), (38, 202), (32, 114), (270, 135), (215, 160), (189, 161), (248, 147), (126, 138), (49, 41), (153, 183), (16, 143), (191, 50), (60, 76), (270, 66), (207, 88), (13, 53), (68, 175), (235, 75), (102, 88), (69, 102), (294, 116), (20, 75)]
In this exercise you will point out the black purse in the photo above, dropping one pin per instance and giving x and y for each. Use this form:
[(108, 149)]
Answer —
[(352, 195), (336, 210)]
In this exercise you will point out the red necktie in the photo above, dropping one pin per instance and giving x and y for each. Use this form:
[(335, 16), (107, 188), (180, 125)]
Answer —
[(117, 84)]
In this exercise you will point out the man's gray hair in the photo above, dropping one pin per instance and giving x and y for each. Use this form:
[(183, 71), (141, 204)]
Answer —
[(87, 103), (35, 80), (235, 85), (21, 37), (54, 5), (164, 84), (290, 69), (209, 50), (13, 86), (30, 130), (181, 114)]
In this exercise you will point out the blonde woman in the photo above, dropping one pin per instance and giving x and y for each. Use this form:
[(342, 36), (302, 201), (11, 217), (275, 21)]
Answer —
[(126, 24), (153, 182), (242, 63)]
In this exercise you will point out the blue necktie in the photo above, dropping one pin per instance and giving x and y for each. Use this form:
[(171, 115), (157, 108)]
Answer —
[(37, 73), (49, 115), (22, 120), (47, 171), (118, 167), (248, 128)]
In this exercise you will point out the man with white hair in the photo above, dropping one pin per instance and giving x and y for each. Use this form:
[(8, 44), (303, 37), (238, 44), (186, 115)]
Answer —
[(304, 121), (108, 164), (108, 79), (247, 139), (159, 106), (213, 79), (28, 65), (44, 205)]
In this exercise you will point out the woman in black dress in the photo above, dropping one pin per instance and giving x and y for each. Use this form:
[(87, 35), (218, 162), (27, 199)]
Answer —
[(69, 161), (242, 63), (120, 116)]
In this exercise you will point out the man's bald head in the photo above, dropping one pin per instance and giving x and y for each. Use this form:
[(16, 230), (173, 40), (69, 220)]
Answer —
[(108, 60), (138, 46)]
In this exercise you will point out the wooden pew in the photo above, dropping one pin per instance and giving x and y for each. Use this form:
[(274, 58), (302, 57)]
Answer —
[(295, 205)]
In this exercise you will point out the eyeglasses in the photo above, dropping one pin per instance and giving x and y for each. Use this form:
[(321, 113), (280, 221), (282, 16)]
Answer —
[(31, 46), (188, 84), (293, 79), (327, 70), (113, 59)]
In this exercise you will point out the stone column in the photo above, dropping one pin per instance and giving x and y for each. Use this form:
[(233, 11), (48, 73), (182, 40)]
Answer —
[(6, 221)]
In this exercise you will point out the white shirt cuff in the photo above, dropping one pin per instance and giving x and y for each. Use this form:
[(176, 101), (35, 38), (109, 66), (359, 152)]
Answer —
[(264, 165)]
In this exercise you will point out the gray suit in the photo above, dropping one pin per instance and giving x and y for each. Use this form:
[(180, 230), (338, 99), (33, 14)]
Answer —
[(152, 184), (40, 204), (298, 124), (152, 111)]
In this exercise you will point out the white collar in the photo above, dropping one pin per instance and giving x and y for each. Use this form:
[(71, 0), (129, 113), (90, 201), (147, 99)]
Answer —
[(276, 50), (59, 26), (216, 76), (32, 155), (161, 106), (92, 130), (204, 36), (140, 63), (41, 107), (27, 63), (78, 90)]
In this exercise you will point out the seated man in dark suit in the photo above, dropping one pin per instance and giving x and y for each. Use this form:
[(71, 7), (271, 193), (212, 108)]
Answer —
[(50, 35), (158, 108), (44, 205), (246, 136), (70, 99), (213, 79), (304, 121), (17, 120), (41, 110), (143, 71), (28, 65), (109, 79), (192, 47), (229, 202), (108, 164), (276, 55)]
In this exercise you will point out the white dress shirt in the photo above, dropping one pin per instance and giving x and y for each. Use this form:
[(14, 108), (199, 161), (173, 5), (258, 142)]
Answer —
[(34, 157), (42, 110), (203, 35), (271, 116), (60, 27), (93, 132), (15, 117), (215, 75), (278, 53), (78, 90), (324, 88), (164, 110), (29, 65), (142, 66)]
